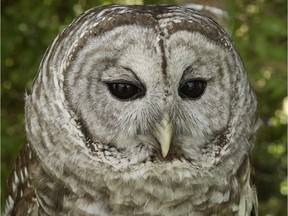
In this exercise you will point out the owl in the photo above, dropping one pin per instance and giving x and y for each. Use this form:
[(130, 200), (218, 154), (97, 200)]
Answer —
[(138, 110)]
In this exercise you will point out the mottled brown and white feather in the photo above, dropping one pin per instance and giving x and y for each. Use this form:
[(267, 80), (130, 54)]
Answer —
[(93, 154)]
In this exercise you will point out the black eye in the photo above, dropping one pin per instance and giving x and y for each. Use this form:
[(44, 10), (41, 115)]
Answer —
[(124, 91), (192, 89)]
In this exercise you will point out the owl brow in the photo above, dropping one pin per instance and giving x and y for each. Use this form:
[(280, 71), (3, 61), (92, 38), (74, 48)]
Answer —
[(189, 75), (125, 78), (138, 79), (132, 72)]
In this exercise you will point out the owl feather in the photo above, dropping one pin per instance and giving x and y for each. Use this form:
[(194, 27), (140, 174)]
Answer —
[(138, 110)]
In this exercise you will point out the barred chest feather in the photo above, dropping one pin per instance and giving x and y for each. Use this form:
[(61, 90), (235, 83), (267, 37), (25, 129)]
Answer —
[(172, 190)]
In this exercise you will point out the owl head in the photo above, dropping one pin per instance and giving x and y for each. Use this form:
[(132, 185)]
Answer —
[(130, 87)]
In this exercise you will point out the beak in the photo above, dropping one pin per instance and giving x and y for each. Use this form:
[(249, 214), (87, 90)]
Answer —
[(164, 135)]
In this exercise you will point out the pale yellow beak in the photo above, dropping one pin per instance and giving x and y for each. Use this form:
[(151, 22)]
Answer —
[(164, 135)]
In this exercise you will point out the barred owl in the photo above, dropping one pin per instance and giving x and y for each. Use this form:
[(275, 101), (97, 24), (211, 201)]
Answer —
[(138, 110)]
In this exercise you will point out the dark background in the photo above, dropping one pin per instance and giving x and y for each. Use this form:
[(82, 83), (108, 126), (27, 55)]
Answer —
[(258, 28)]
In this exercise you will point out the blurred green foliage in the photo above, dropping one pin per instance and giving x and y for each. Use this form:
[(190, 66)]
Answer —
[(260, 34), (258, 28)]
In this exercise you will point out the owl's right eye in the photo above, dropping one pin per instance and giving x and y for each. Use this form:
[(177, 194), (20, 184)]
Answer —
[(125, 91)]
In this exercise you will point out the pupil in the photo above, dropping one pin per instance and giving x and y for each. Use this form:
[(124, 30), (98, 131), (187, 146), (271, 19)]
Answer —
[(123, 91), (192, 89)]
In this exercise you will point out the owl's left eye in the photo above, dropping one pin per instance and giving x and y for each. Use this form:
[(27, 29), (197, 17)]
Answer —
[(192, 89), (125, 91)]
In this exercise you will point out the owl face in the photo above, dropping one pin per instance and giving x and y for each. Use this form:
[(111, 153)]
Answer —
[(151, 92), (126, 85)]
